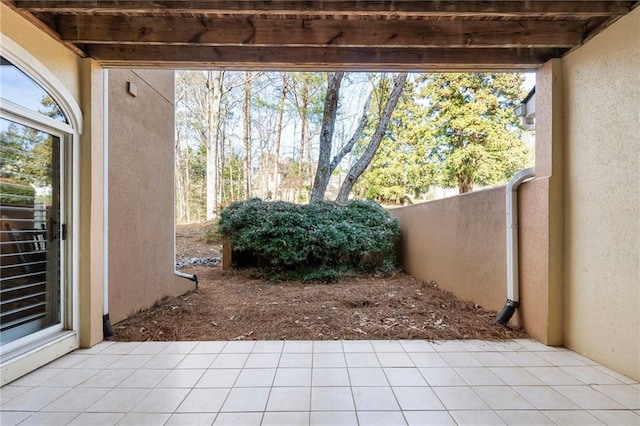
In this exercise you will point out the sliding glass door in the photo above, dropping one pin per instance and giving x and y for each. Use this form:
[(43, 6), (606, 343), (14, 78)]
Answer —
[(34, 289), (31, 229)]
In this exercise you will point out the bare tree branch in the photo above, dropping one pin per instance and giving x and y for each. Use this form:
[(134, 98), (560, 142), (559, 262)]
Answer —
[(364, 119), (363, 162)]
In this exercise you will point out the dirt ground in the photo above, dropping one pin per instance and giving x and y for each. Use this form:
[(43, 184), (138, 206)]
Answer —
[(232, 305), (190, 242)]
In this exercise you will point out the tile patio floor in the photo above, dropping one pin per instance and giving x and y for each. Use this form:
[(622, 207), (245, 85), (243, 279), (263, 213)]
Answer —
[(322, 383)]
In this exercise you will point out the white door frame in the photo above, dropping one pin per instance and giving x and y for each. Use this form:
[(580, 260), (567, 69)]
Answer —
[(30, 352)]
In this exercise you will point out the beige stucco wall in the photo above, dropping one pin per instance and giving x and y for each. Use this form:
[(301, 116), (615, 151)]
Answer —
[(541, 215), (91, 204), (62, 62), (602, 197), (459, 242), (141, 208)]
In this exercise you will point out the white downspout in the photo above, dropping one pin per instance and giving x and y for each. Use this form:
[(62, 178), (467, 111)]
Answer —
[(513, 291), (107, 329)]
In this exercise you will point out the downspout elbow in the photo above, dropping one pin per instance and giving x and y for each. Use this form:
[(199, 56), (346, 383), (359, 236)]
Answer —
[(507, 312), (190, 277), (107, 328)]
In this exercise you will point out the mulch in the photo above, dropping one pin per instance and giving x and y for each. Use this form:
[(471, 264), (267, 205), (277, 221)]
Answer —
[(234, 305)]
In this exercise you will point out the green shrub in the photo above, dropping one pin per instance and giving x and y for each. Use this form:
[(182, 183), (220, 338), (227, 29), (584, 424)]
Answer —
[(13, 191), (320, 241)]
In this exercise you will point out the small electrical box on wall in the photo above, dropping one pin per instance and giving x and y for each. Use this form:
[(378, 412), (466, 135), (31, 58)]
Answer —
[(132, 89)]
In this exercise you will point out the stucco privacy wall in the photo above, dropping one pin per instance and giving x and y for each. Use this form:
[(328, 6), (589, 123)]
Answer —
[(602, 197), (141, 208), (459, 242)]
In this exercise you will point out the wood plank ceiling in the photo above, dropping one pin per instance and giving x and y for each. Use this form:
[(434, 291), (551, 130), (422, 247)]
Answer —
[(392, 35)]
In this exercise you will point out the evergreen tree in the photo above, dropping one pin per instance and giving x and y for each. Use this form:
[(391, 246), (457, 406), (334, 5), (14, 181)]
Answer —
[(476, 136), (400, 170)]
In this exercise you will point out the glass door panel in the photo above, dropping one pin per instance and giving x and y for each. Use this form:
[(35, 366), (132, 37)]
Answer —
[(30, 189)]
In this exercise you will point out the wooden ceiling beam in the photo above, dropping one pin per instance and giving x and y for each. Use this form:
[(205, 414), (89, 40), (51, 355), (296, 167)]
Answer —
[(512, 8), (321, 58), (317, 32), (385, 35)]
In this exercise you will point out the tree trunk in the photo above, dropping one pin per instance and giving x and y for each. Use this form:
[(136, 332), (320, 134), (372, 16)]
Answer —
[(180, 188), (346, 149), (179, 170), (303, 136), (304, 105), (179, 180), (363, 162), (222, 162), (465, 184), (187, 185), (276, 166), (246, 110), (323, 172), (214, 98)]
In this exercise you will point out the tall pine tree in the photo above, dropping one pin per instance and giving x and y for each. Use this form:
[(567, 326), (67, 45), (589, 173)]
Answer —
[(476, 136)]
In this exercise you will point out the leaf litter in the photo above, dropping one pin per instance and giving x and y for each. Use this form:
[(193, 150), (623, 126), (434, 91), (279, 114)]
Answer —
[(235, 305)]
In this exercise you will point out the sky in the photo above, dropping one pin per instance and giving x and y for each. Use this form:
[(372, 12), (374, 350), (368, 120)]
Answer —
[(529, 81), (20, 89)]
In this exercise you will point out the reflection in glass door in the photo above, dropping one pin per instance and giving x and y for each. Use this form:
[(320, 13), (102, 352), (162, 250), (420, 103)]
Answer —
[(31, 293)]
